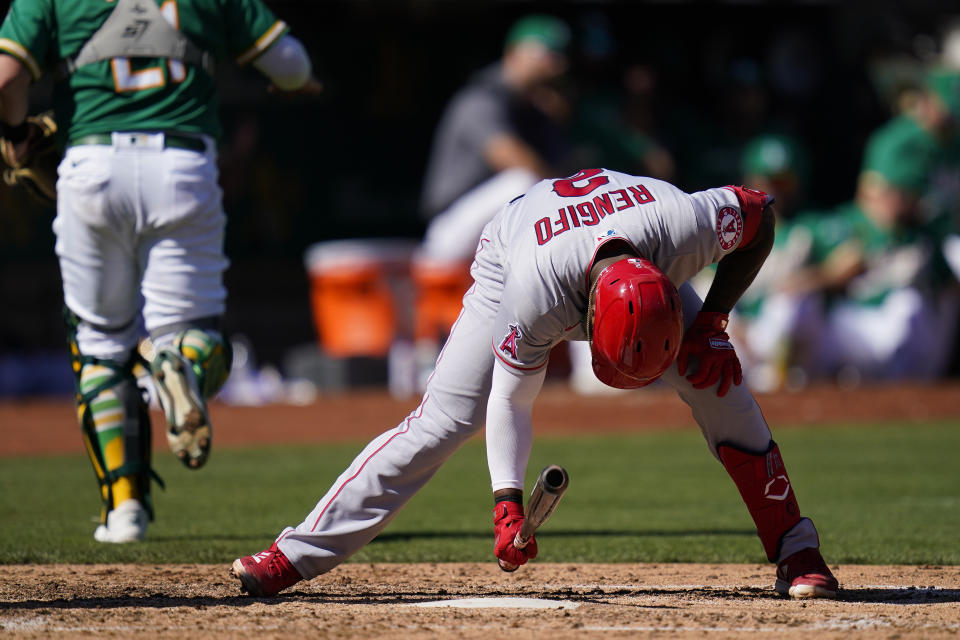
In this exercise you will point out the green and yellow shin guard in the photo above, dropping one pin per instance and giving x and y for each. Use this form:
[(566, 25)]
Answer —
[(115, 425)]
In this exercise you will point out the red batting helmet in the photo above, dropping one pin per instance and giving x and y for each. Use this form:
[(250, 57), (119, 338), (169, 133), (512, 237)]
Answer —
[(635, 324)]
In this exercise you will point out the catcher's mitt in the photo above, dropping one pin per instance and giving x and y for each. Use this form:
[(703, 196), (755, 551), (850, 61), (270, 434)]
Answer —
[(36, 168)]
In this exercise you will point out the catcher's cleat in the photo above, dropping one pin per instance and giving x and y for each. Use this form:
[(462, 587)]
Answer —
[(188, 425), (806, 575), (266, 573), (126, 523)]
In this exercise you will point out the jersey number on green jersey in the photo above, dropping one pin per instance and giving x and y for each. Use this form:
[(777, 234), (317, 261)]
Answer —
[(126, 79)]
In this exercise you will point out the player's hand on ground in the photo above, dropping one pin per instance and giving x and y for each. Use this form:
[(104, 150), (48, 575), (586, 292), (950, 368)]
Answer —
[(707, 341), (507, 519)]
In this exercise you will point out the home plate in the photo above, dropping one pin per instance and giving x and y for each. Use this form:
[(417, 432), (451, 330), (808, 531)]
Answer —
[(500, 603)]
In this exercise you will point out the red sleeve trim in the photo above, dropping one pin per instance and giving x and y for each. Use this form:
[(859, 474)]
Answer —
[(753, 204)]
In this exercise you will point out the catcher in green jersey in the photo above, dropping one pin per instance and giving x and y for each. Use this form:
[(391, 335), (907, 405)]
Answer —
[(140, 223)]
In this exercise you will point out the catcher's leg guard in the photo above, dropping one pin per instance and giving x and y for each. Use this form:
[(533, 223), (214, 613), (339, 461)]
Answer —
[(116, 431), (189, 366), (765, 488), (116, 428)]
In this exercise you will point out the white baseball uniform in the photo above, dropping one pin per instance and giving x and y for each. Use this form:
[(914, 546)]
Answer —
[(530, 292), (140, 222)]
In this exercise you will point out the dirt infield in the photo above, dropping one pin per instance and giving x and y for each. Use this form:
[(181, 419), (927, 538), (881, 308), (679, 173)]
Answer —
[(578, 600), (378, 601)]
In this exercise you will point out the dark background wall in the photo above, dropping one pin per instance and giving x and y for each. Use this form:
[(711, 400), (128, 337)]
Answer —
[(350, 163)]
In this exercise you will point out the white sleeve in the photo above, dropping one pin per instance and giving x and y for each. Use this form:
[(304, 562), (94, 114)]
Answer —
[(510, 424), (286, 63)]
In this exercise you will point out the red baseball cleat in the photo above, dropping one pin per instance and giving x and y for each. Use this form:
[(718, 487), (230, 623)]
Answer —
[(806, 575), (266, 573)]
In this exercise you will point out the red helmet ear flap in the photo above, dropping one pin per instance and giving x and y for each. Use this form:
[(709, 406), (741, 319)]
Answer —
[(635, 324)]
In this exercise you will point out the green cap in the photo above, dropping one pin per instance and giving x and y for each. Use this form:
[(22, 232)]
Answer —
[(551, 32), (902, 153), (946, 84), (771, 155)]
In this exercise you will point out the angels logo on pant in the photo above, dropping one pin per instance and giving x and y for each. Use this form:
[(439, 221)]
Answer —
[(508, 345)]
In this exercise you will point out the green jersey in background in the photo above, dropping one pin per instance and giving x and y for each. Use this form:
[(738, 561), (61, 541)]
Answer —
[(134, 93)]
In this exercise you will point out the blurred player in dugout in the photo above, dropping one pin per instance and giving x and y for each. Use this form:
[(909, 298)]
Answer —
[(863, 291), (778, 164), (140, 224), (498, 135)]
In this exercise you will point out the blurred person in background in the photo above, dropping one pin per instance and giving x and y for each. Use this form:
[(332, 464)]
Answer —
[(777, 164), (140, 222), (867, 296), (943, 198), (498, 135)]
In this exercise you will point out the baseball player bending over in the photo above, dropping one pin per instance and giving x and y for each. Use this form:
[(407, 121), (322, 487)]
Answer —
[(140, 220), (599, 256)]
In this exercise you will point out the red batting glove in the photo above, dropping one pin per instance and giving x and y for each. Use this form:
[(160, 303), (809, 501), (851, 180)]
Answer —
[(507, 519), (708, 342)]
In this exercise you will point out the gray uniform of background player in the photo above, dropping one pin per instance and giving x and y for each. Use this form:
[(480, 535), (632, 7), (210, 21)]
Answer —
[(462, 191), (541, 289), (486, 107)]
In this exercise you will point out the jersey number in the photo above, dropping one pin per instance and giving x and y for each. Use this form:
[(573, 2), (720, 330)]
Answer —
[(126, 79), (569, 187)]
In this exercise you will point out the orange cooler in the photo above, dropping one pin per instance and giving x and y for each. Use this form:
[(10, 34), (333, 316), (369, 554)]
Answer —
[(357, 294)]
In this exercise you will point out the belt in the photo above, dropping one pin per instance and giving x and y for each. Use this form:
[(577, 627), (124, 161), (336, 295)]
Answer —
[(170, 140)]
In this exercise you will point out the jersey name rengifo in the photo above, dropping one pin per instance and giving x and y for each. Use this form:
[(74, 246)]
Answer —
[(548, 239)]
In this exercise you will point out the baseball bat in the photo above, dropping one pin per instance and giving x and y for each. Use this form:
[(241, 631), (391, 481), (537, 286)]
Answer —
[(546, 493)]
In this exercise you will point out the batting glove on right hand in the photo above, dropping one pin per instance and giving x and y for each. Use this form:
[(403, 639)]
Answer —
[(507, 519), (707, 341)]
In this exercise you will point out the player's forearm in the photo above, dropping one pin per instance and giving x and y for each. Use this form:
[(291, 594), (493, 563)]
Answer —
[(509, 430), (508, 152), (509, 436), (14, 91), (737, 270)]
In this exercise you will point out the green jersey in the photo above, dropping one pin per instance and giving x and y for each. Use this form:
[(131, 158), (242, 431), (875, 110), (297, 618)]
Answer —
[(785, 257), (135, 93), (906, 255)]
